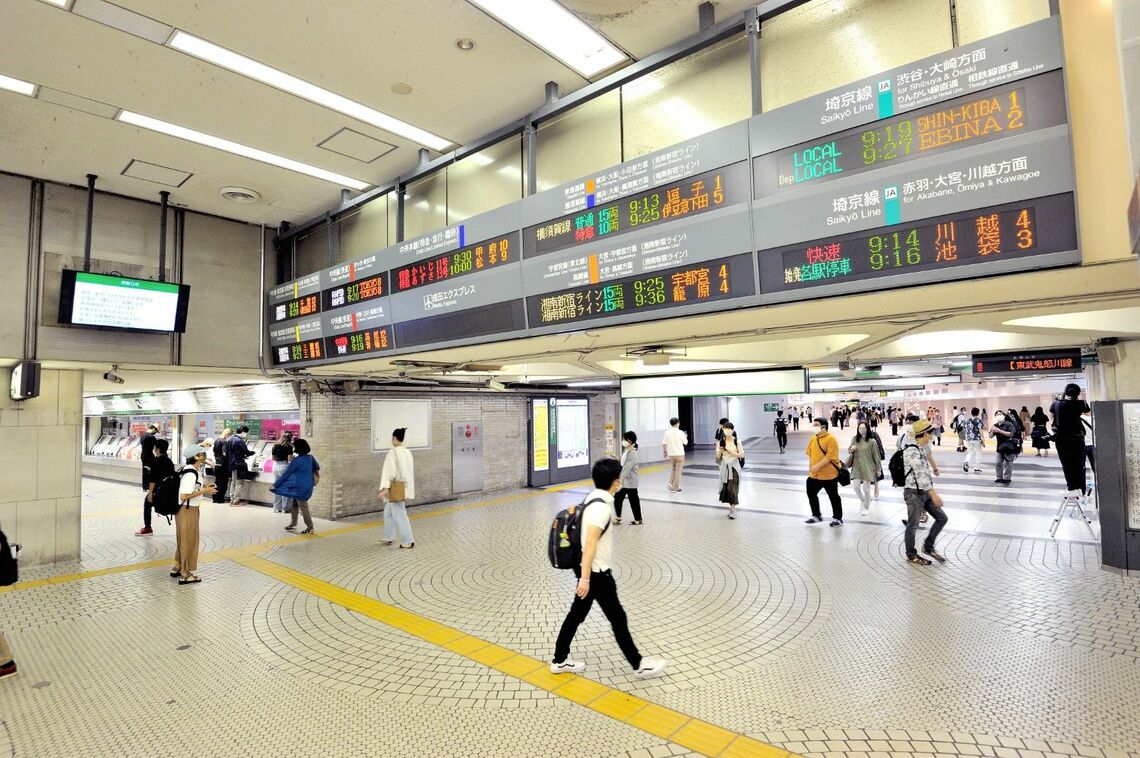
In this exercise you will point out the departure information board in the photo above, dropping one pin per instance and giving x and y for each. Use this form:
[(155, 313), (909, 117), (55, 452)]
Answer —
[(1023, 230), (955, 166)]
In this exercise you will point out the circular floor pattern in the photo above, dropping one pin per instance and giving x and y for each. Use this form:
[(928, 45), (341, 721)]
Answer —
[(1049, 589), (829, 743), (329, 645), (711, 605)]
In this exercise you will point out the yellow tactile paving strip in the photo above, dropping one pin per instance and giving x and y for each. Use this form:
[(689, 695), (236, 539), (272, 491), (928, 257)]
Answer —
[(207, 557), (678, 728)]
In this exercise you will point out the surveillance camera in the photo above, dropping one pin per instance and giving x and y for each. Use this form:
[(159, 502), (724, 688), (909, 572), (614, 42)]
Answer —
[(111, 376)]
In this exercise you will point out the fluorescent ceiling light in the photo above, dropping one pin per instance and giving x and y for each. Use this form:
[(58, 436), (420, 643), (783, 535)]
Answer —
[(557, 31), (18, 86), (904, 381), (60, 3), (240, 64), (603, 383), (181, 132)]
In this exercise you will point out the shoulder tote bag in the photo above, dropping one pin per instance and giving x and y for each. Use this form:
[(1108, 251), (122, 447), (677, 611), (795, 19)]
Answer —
[(397, 491)]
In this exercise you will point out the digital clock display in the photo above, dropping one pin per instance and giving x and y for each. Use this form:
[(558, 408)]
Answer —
[(359, 343), (469, 260), (307, 305), (721, 279), (1015, 230), (1031, 104), (354, 293), (690, 197), (309, 350)]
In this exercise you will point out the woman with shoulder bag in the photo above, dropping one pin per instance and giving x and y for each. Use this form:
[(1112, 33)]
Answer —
[(397, 486), (866, 465)]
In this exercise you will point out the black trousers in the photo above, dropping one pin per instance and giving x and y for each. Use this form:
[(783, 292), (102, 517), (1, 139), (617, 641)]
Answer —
[(634, 504), (222, 479), (782, 439), (147, 507), (894, 429), (796, 424), (831, 486), (1071, 451), (604, 590)]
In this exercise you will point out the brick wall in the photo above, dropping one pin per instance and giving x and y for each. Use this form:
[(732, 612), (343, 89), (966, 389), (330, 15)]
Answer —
[(339, 427), (340, 430)]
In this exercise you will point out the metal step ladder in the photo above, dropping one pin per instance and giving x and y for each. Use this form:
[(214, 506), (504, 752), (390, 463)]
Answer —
[(1073, 505)]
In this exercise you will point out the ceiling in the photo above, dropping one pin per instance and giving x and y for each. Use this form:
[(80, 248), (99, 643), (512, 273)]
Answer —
[(356, 48)]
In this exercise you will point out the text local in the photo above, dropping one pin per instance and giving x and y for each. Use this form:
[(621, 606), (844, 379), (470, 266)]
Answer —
[(815, 162)]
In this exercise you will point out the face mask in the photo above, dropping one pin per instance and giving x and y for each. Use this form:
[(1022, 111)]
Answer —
[(999, 417)]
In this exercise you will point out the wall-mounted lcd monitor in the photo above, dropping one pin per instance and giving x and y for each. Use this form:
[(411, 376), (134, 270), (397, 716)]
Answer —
[(120, 302)]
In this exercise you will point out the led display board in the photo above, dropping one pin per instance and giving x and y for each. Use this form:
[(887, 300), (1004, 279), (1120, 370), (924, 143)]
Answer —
[(955, 166), (964, 243), (1028, 362), (123, 303)]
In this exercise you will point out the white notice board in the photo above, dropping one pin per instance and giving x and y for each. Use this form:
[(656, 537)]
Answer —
[(414, 415)]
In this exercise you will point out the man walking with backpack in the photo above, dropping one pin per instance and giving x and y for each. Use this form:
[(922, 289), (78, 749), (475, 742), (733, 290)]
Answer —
[(919, 494), (596, 580), (781, 430)]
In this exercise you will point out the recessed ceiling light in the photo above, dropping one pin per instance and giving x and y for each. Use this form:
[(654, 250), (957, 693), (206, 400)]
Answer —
[(18, 86), (401, 88), (466, 44), (60, 3), (557, 31), (240, 195), (190, 135), (238, 63)]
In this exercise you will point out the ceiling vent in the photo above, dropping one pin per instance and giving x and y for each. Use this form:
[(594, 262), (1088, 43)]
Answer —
[(152, 172), (353, 144), (241, 195)]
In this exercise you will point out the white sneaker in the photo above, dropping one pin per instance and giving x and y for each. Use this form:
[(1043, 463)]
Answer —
[(568, 666), (651, 667)]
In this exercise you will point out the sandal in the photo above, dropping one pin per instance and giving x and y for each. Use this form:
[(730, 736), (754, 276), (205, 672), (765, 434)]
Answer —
[(192, 579), (408, 546), (175, 573), (617, 521), (917, 559), (636, 523)]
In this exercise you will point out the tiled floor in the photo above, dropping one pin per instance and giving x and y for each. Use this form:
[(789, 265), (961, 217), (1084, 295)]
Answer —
[(819, 641)]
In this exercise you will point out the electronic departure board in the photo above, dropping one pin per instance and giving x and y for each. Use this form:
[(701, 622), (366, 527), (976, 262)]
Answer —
[(1026, 232), (955, 166), (1064, 361), (1024, 106), (707, 282)]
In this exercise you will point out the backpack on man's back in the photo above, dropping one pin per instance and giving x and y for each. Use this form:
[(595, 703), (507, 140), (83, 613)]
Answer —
[(564, 545)]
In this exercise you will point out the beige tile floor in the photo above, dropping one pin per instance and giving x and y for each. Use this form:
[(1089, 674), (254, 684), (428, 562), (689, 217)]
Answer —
[(821, 641)]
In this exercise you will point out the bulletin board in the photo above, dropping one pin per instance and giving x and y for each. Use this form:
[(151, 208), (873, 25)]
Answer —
[(414, 415)]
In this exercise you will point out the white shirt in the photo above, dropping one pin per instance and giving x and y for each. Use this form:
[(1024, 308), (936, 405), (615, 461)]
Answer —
[(398, 464), (599, 515), (675, 441), (188, 485)]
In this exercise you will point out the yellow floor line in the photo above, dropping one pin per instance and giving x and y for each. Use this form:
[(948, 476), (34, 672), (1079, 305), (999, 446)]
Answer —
[(262, 546), (692, 733)]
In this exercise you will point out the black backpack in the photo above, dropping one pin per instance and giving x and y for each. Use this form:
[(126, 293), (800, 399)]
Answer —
[(897, 467), (166, 499), (565, 545), (9, 566), (781, 426)]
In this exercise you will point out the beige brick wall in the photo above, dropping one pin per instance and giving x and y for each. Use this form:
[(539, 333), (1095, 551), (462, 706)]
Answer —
[(40, 476), (339, 428)]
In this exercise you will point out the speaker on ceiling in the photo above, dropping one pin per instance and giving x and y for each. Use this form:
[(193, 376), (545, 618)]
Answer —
[(1110, 354)]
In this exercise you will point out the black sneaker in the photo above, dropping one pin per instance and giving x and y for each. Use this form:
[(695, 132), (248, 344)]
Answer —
[(934, 554), (918, 560), (836, 522), (814, 520)]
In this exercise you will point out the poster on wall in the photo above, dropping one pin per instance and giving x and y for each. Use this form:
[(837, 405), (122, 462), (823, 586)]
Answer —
[(573, 416), (540, 435), (1131, 412)]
